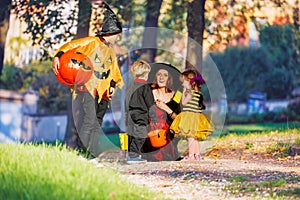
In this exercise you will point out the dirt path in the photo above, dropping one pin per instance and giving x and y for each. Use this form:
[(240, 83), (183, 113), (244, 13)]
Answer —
[(250, 167), (216, 178)]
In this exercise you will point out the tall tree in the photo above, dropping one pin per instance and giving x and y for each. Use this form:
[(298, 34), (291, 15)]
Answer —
[(4, 25), (226, 20), (174, 13), (196, 26), (84, 18), (296, 15), (47, 18), (150, 35), (48, 22)]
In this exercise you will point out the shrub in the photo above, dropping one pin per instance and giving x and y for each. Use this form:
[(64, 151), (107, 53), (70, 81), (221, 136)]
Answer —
[(249, 145), (297, 142), (280, 148), (293, 111)]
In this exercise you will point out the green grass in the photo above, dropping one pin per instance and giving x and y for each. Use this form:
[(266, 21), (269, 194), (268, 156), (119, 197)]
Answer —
[(249, 145), (47, 172), (275, 188), (272, 183), (289, 192), (281, 147), (246, 128), (238, 178), (297, 142), (107, 142)]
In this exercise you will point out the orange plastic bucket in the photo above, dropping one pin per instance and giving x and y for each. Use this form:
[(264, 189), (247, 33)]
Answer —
[(158, 137)]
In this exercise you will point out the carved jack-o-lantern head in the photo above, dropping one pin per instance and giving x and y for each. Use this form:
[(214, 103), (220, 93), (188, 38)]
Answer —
[(75, 68), (103, 67)]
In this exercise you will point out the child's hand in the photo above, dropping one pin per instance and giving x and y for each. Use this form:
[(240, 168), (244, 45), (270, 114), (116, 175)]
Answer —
[(186, 85), (186, 97), (187, 91), (112, 92), (55, 65)]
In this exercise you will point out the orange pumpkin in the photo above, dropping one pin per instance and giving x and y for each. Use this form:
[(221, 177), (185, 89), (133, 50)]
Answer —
[(75, 68)]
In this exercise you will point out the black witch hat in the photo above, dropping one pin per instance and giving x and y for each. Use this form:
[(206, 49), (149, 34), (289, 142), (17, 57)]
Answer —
[(173, 71), (111, 24)]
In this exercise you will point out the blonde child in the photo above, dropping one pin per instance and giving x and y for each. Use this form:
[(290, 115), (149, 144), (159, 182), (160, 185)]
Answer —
[(191, 123), (139, 108)]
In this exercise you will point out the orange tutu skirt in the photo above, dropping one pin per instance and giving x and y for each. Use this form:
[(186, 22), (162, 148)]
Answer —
[(190, 124)]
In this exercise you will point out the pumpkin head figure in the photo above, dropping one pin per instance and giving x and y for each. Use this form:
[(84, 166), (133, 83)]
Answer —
[(75, 68)]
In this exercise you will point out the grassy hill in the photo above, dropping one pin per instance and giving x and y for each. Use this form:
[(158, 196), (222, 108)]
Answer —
[(53, 172)]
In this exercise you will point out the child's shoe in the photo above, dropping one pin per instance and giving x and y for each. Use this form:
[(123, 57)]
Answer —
[(188, 158), (198, 157), (135, 160), (192, 158)]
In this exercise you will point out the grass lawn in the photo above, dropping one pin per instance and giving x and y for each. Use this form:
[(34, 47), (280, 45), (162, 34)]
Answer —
[(244, 128), (53, 172), (111, 142)]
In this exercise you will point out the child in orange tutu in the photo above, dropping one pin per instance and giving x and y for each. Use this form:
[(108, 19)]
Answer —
[(191, 123)]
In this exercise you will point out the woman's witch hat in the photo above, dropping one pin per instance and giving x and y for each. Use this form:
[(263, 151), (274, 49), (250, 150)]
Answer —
[(173, 71)]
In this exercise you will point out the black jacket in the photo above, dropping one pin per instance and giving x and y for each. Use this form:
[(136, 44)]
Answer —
[(142, 106)]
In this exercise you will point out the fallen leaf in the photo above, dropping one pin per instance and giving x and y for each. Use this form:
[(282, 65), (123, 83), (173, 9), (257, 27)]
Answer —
[(243, 158), (164, 185), (283, 159)]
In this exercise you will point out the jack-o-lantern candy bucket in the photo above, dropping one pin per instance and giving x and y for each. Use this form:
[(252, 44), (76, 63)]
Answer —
[(75, 68), (158, 138)]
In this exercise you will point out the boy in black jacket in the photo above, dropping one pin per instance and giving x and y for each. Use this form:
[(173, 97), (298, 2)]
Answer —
[(139, 107)]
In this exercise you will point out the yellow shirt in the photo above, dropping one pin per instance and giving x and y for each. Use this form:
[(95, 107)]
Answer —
[(104, 60)]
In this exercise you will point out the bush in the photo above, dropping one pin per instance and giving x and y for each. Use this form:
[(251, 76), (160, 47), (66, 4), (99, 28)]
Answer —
[(293, 111), (52, 94), (271, 69), (257, 118), (9, 76), (243, 70), (270, 116), (236, 119)]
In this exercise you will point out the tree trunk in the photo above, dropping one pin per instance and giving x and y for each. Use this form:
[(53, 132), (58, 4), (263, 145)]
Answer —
[(196, 25), (4, 25), (84, 17), (150, 34), (296, 15)]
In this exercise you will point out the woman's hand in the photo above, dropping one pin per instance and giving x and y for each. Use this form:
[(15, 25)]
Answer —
[(162, 105)]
